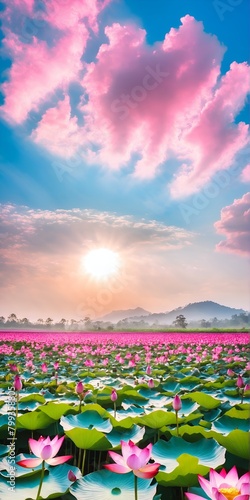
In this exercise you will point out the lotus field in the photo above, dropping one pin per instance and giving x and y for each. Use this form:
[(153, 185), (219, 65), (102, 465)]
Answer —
[(135, 416)]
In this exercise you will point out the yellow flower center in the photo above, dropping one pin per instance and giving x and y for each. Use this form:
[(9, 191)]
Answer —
[(229, 493)]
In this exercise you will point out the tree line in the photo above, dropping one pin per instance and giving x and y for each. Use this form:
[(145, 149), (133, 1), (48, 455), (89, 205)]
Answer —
[(240, 321)]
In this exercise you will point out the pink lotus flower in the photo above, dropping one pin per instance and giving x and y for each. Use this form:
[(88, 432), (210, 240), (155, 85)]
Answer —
[(17, 383), (71, 476), (148, 370), (240, 382), (44, 368), (79, 388), (133, 459), (151, 383), (230, 372), (223, 486), (46, 450), (113, 395), (177, 404)]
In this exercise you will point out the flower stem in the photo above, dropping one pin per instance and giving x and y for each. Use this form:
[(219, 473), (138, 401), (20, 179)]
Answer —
[(177, 423), (136, 493), (41, 481), (83, 460), (114, 410)]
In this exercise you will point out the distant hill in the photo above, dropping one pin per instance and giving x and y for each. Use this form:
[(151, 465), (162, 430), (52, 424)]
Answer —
[(116, 316), (193, 312)]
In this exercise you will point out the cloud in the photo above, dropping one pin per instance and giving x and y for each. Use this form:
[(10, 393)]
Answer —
[(67, 13), (234, 224), (67, 231), (215, 140), (245, 174), (141, 105), (38, 70), (144, 97), (42, 251), (43, 59), (57, 122)]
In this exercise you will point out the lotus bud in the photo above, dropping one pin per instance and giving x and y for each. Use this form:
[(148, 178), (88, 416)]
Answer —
[(148, 370), (113, 396), (177, 404), (240, 382), (151, 383), (17, 383), (71, 476), (79, 388), (230, 372)]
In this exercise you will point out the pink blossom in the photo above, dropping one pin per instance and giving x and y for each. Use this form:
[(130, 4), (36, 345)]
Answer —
[(44, 368), (79, 388), (17, 383), (71, 476), (133, 459), (46, 450), (148, 370), (223, 486), (177, 404), (113, 396), (151, 383), (240, 382), (230, 372)]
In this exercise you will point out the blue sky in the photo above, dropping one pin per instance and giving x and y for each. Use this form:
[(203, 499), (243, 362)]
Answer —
[(170, 179)]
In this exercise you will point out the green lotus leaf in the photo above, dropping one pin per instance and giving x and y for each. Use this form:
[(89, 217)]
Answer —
[(56, 410), (89, 439), (157, 419), (227, 424), (236, 442), (87, 420), (183, 475), (243, 413), (171, 385), (208, 452), (135, 433), (32, 397), (203, 399), (55, 483), (189, 383), (34, 420), (106, 485), (211, 415)]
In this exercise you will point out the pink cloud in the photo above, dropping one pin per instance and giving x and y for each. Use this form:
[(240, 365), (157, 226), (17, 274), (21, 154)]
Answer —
[(38, 70), (216, 139), (67, 13), (58, 131), (142, 97), (245, 174), (234, 224)]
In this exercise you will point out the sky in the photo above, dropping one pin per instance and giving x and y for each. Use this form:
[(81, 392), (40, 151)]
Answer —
[(123, 126)]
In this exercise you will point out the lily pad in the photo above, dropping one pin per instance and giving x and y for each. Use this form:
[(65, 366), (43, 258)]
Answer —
[(86, 420), (208, 452), (135, 433), (55, 483), (107, 485)]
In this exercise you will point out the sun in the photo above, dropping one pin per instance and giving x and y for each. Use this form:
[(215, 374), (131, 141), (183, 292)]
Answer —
[(101, 263)]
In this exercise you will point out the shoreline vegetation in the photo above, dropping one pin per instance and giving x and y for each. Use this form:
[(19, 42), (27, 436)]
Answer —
[(116, 330), (235, 324)]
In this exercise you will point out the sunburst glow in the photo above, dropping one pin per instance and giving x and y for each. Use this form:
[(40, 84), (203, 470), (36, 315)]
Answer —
[(101, 263)]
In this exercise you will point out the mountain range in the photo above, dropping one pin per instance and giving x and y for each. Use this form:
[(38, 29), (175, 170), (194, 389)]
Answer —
[(193, 312)]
